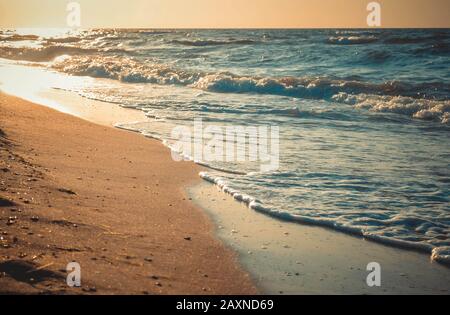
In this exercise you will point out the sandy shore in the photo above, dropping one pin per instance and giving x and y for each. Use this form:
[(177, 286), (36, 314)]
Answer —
[(111, 200), (133, 228)]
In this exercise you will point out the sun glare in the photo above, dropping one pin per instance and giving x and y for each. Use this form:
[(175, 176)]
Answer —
[(44, 32)]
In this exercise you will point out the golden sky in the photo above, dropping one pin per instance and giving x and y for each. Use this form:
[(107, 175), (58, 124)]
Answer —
[(225, 13)]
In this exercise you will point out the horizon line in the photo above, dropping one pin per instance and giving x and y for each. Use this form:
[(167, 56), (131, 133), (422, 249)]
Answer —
[(233, 28)]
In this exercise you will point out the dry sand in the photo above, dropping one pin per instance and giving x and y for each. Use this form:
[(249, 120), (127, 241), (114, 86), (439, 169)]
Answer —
[(111, 200)]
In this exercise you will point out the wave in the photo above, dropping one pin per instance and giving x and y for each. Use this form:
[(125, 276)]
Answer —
[(42, 54), (210, 108), (394, 40), (427, 101), (125, 70), (293, 112), (17, 38), (441, 254), (438, 253), (352, 40), (130, 70), (63, 40), (377, 56), (144, 31), (415, 39), (417, 108), (405, 40), (435, 49), (317, 87), (202, 43)]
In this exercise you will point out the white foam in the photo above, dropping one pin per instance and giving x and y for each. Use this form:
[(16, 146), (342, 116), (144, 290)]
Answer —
[(440, 254), (352, 40), (417, 108)]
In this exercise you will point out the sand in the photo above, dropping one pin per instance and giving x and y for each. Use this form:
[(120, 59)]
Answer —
[(111, 200)]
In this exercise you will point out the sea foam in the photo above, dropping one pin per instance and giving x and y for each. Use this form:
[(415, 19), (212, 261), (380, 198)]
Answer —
[(438, 253)]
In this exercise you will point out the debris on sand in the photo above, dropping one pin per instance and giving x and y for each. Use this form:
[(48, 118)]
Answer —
[(29, 272), (6, 203), (66, 191), (90, 289), (11, 220)]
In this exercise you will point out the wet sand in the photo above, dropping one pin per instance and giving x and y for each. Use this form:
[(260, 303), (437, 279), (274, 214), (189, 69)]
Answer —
[(292, 258), (109, 199)]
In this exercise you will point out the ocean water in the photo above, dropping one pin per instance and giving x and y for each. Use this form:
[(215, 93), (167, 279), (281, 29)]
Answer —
[(364, 115)]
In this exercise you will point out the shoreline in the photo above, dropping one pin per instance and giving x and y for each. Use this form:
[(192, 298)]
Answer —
[(74, 191), (318, 246), (290, 258)]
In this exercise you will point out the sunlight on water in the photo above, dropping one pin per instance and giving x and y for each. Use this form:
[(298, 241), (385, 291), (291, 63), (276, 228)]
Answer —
[(30, 83), (44, 32)]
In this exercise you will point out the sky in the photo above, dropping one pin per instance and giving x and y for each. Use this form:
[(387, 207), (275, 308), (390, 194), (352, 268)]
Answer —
[(225, 13)]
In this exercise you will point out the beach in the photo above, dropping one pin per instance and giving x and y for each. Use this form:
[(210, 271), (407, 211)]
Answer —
[(345, 167), (139, 223), (111, 200)]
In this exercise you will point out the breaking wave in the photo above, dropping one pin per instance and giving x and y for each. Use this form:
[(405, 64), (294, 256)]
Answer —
[(425, 101), (352, 40), (416, 108), (130, 70)]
